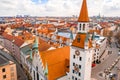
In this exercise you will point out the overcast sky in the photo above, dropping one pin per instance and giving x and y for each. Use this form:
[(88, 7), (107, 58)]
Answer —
[(58, 7)]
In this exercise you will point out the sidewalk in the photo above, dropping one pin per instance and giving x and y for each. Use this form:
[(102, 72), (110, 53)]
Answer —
[(98, 69)]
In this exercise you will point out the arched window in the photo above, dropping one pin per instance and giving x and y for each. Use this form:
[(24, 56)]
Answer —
[(80, 27), (78, 39), (37, 73), (36, 68), (83, 26)]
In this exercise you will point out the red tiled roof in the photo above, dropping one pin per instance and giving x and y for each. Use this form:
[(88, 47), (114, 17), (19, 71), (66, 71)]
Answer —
[(15, 39), (18, 41), (43, 46), (7, 36), (104, 24)]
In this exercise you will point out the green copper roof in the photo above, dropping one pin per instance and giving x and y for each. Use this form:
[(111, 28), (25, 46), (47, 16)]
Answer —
[(26, 49), (71, 35), (87, 37), (93, 36), (35, 45)]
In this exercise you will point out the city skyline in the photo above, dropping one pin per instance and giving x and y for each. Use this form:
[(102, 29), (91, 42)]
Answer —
[(58, 8)]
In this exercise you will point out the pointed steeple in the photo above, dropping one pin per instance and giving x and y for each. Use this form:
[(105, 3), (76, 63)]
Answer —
[(83, 17), (81, 39)]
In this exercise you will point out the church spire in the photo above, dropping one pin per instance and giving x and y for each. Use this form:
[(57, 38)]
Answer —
[(83, 17), (83, 27)]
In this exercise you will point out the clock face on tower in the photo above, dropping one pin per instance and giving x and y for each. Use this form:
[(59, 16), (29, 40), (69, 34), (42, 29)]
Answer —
[(77, 52)]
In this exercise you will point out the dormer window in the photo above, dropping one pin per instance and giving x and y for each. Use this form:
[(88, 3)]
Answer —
[(78, 39)]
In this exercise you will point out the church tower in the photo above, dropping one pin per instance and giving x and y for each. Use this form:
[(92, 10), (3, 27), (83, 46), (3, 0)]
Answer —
[(83, 20), (81, 48)]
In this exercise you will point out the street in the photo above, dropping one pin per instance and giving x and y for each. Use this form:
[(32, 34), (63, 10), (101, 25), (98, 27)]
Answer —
[(98, 71)]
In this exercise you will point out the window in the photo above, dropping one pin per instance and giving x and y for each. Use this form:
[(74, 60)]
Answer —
[(79, 74), (73, 56), (73, 77), (73, 71), (73, 64), (97, 57), (12, 74), (34, 75), (80, 27), (98, 49), (79, 66), (78, 39), (4, 76), (3, 70), (36, 68), (83, 26), (37, 76), (80, 58)]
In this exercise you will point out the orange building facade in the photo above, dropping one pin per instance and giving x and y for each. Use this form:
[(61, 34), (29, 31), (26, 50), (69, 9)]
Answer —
[(7, 70)]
